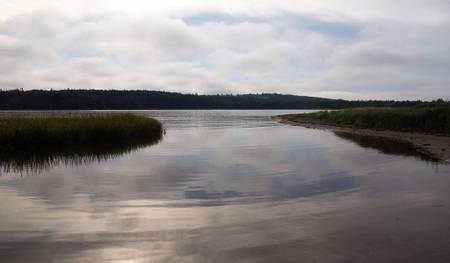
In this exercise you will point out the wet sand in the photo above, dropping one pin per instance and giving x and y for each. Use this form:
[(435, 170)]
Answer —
[(435, 145)]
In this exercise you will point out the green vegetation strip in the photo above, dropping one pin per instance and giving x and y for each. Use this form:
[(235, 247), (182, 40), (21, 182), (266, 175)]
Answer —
[(33, 133), (431, 118)]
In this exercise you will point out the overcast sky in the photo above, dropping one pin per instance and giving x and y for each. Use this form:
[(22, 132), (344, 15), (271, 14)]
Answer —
[(350, 49)]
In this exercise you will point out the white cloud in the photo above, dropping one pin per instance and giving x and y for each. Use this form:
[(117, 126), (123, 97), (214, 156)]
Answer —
[(363, 49)]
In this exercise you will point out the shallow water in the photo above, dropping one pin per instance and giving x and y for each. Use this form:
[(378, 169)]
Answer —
[(231, 186)]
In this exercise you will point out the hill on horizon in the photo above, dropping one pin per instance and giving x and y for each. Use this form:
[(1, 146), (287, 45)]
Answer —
[(147, 99)]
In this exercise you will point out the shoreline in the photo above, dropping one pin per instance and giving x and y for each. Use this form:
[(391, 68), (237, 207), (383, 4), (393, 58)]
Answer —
[(436, 145)]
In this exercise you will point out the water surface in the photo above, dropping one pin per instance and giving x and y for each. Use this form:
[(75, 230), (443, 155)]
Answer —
[(231, 186)]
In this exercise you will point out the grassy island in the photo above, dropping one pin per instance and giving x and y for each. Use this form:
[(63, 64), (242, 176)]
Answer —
[(427, 118), (21, 134)]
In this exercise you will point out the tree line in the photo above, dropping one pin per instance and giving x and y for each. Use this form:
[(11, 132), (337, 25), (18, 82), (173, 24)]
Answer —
[(145, 99)]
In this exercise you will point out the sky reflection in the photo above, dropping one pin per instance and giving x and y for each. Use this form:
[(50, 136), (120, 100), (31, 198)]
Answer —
[(257, 191)]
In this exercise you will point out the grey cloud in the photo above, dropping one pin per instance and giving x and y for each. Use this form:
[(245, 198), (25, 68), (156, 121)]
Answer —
[(36, 26), (283, 20), (95, 66), (371, 54), (348, 52), (168, 35), (13, 48), (19, 50)]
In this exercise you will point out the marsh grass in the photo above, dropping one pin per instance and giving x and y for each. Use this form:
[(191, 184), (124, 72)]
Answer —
[(430, 118), (36, 143), (29, 133)]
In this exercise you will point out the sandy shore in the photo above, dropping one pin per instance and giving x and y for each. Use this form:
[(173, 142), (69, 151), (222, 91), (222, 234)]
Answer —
[(438, 146)]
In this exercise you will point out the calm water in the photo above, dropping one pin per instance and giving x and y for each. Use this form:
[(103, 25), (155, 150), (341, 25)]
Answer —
[(230, 186)]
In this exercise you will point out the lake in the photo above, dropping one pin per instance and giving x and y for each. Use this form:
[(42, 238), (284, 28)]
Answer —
[(230, 186)]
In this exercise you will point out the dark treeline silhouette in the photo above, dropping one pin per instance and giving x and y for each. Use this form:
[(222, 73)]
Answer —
[(143, 99)]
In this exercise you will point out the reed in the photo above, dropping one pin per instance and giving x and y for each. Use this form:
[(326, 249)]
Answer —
[(20, 134), (431, 118)]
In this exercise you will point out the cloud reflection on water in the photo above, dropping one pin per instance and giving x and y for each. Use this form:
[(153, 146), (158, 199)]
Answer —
[(260, 193)]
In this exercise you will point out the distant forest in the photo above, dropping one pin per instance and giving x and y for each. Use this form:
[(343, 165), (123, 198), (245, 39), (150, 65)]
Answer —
[(143, 99)]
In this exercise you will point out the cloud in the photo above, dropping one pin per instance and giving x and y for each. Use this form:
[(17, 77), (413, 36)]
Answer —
[(391, 61), (364, 49)]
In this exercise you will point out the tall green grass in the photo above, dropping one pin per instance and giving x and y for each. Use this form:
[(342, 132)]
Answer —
[(20, 134), (432, 118)]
